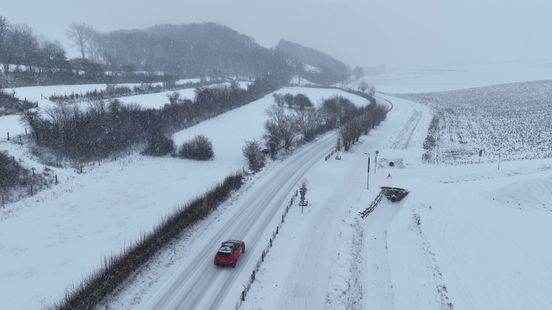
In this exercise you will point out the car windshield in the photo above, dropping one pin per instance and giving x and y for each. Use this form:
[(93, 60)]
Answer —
[(223, 254)]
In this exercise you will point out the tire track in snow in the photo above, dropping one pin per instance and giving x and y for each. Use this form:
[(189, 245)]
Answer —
[(440, 285), (405, 136)]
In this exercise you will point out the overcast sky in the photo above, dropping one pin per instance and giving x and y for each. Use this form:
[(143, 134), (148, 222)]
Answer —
[(365, 32)]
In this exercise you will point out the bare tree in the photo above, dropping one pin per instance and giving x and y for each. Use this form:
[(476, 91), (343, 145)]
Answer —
[(279, 99), (253, 152), (363, 86), (372, 91), (308, 122), (4, 32), (281, 130), (288, 98), (81, 34), (302, 102), (358, 72)]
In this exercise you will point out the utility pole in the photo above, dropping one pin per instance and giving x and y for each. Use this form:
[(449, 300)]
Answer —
[(368, 174), (376, 162)]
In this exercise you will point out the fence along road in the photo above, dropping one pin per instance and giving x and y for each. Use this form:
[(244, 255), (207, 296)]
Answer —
[(199, 284)]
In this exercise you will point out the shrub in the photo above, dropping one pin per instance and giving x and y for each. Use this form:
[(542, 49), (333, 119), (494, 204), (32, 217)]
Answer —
[(253, 152), (199, 148), (281, 130), (279, 99), (302, 102), (159, 145), (11, 173)]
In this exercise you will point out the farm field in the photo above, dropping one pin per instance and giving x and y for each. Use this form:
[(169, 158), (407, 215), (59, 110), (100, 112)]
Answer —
[(424, 79), (513, 121)]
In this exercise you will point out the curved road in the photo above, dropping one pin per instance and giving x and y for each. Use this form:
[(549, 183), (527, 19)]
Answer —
[(199, 284)]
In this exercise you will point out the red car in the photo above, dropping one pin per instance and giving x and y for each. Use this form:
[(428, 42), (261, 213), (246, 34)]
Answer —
[(229, 253)]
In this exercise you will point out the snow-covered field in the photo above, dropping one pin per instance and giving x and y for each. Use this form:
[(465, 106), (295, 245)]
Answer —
[(53, 239), (157, 100), (513, 121), (423, 79)]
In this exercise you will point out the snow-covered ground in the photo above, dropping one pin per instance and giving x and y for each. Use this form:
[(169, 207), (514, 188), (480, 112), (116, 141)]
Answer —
[(297, 80), (41, 94), (53, 239), (11, 124), (157, 100), (466, 237), (422, 79), (469, 236), (185, 81)]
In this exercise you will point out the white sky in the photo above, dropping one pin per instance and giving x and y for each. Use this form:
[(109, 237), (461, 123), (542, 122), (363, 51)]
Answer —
[(365, 32)]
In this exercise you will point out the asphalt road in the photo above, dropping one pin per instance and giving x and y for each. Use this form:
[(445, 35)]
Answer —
[(199, 284)]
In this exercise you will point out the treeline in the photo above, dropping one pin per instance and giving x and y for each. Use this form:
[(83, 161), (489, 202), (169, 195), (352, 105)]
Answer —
[(154, 54), (284, 130), (115, 91), (327, 70), (189, 50), (27, 60), (104, 129)]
